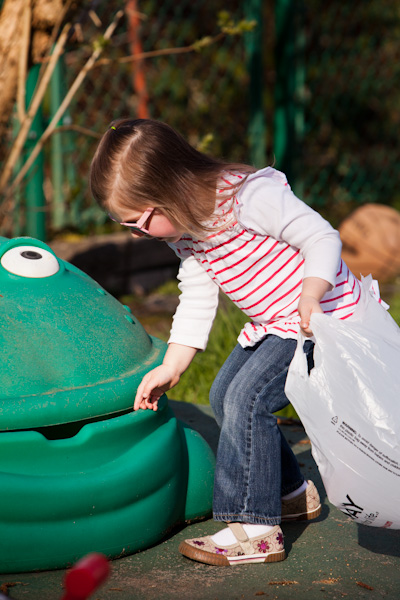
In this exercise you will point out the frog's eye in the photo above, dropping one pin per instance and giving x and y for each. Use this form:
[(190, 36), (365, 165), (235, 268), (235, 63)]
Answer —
[(30, 261)]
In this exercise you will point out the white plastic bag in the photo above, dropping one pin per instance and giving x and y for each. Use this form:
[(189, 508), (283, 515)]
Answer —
[(350, 408)]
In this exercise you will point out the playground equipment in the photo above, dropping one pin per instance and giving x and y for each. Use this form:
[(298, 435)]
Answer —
[(80, 472)]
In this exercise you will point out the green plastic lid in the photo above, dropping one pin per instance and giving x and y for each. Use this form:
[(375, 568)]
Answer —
[(70, 350)]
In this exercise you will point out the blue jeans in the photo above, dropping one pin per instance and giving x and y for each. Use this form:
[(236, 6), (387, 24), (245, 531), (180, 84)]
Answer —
[(255, 465)]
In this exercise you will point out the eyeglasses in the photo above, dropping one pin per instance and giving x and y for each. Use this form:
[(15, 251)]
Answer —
[(138, 226)]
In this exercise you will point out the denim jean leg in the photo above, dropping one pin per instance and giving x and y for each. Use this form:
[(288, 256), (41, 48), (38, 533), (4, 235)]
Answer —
[(252, 450), (235, 361)]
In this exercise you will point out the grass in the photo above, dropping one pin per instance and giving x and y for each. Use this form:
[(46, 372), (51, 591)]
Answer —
[(394, 309), (195, 384)]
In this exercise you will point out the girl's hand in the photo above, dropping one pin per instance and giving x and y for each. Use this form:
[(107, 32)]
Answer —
[(314, 289), (153, 386), (163, 378), (307, 306)]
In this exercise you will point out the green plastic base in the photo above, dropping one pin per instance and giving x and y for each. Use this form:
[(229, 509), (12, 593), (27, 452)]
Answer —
[(79, 471), (116, 487)]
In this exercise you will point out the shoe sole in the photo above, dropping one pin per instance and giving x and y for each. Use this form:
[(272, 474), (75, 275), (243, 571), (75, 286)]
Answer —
[(307, 516), (219, 560)]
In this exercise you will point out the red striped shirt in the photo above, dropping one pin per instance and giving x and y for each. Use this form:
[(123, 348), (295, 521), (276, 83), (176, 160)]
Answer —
[(263, 276)]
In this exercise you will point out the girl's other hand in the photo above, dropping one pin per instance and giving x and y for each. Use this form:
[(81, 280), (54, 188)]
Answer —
[(314, 289), (153, 386), (307, 306)]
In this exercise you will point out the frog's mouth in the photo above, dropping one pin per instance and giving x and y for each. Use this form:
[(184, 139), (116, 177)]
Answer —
[(65, 431), (70, 430)]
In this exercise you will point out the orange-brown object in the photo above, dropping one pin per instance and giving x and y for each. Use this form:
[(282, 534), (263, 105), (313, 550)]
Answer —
[(138, 69), (371, 241)]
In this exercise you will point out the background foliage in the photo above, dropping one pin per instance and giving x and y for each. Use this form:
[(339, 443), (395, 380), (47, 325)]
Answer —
[(340, 63), (349, 150)]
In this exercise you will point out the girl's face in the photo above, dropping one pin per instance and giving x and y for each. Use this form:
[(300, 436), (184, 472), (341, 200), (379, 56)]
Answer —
[(153, 222)]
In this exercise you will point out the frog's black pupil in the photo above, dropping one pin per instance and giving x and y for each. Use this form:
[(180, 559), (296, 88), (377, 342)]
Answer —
[(31, 255)]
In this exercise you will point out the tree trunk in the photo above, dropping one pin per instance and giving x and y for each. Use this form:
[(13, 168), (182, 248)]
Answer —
[(44, 15), (11, 26)]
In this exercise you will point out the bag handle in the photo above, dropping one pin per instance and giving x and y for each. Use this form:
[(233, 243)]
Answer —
[(299, 361)]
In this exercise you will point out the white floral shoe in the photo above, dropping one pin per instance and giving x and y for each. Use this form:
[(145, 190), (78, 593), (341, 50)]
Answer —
[(303, 507), (260, 549)]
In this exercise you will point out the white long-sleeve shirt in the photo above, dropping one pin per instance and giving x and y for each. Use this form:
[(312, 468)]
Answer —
[(271, 242)]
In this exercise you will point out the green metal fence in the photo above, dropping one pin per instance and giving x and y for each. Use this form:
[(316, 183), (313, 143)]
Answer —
[(313, 89), (348, 102)]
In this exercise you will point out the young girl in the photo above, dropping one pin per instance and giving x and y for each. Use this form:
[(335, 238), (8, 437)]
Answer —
[(242, 231)]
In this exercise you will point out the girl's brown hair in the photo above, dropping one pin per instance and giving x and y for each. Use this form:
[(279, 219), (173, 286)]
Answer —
[(143, 163)]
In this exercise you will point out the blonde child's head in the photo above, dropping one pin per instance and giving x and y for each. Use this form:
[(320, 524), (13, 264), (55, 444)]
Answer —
[(143, 163)]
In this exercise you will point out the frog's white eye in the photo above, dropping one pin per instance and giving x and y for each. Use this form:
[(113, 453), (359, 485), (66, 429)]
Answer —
[(30, 261)]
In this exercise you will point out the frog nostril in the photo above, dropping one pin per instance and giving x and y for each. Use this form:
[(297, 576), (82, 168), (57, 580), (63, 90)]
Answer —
[(31, 255)]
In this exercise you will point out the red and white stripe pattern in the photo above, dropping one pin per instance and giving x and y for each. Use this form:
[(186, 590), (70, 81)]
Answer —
[(263, 277)]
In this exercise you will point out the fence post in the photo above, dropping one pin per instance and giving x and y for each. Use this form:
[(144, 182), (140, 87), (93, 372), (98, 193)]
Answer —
[(17, 225), (35, 202), (289, 86), (253, 44), (57, 170)]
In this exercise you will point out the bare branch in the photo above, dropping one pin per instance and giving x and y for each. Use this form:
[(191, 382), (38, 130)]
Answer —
[(164, 51), (53, 37), (79, 129), (90, 64), (95, 18), (23, 60), (33, 108), (65, 103)]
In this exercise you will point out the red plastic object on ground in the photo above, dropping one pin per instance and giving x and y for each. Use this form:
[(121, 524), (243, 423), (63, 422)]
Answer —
[(86, 576)]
